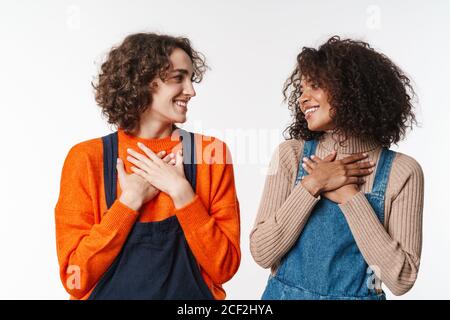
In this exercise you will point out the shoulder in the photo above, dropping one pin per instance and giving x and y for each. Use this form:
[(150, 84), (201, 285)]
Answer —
[(406, 165), (85, 152), (406, 169), (287, 156)]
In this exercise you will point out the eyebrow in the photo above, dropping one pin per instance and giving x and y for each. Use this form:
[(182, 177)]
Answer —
[(182, 71)]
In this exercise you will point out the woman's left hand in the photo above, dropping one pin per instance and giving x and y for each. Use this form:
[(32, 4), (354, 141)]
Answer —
[(167, 177), (340, 195)]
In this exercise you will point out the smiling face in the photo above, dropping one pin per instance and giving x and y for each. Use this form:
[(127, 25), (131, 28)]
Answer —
[(171, 95), (315, 106)]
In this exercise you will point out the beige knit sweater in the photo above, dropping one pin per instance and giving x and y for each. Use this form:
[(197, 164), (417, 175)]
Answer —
[(393, 248)]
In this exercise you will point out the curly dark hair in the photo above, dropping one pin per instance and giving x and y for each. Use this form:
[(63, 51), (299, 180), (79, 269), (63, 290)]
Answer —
[(122, 87), (369, 95)]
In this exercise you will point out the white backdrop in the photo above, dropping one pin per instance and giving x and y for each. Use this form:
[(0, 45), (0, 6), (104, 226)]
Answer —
[(51, 50)]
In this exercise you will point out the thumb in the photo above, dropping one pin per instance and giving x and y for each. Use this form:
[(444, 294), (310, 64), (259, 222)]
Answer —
[(120, 169), (331, 156), (179, 159)]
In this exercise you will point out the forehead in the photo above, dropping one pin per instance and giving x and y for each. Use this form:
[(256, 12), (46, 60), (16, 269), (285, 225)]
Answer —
[(305, 80), (180, 60)]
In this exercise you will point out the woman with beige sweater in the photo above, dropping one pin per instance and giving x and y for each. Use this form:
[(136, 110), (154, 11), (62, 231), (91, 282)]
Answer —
[(342, 213)]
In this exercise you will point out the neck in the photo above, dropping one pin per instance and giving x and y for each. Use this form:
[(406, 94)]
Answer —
[(153, 129), (353, 144)]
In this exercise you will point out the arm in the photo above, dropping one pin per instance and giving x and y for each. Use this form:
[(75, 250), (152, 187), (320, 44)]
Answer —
[(85, 248), (283, 211), (395, 252), (213, 231)]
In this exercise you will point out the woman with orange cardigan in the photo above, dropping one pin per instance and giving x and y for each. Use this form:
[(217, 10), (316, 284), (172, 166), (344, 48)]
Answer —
[(149, 211)]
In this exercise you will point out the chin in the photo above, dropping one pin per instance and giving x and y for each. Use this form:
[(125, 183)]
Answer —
[(313, 128), (179, 120)]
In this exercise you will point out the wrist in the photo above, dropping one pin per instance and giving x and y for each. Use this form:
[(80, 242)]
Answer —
[(131, 201), (347, 196), (182, 194), (311, 186)]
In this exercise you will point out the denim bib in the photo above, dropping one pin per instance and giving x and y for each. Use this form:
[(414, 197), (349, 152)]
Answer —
[(325, 263)]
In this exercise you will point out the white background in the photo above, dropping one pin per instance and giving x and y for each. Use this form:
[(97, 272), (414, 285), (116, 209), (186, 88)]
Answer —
[(51, 50)]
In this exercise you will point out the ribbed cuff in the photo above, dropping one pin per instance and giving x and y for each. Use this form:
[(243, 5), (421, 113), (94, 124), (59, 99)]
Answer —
[(193, 215), (119, 217)]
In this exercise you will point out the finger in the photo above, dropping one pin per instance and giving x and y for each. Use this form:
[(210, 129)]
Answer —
[(316, 159), (140, 164), (120, 169), (309, 162), (330, 157), (141, 173), (169, 158), (359, 172), (307, 168), (179, 159), (361, 165), (143, 158), (161, 154), (149, 153), (355, 180), (354, 158)]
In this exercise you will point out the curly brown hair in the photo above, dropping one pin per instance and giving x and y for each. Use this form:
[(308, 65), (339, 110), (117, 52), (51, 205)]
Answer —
[(369, 95), (122, 87)]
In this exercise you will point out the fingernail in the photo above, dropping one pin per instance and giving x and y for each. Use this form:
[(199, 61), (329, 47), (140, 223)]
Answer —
[(163, 152), (305, 159), (140, 144), (372, 163), (129, 150), (365, 154), (303, 165), (312, 157), (118, 160)]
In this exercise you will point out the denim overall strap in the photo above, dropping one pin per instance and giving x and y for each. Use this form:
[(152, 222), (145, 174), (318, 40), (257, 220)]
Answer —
[(383, 171), (110, 153), (308, 150)]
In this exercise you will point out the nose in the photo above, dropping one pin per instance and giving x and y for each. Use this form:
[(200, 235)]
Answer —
[(188, 89), (304, 97)]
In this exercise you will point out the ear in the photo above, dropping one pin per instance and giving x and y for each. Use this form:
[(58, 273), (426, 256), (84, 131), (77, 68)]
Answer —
[(153, 85)]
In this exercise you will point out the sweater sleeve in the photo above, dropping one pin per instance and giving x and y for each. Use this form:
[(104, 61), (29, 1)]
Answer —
[(86, 249), (283, 212), (394, 254), (212, 230)]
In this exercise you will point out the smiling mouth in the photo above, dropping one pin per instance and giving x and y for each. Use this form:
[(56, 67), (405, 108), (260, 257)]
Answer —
[(310, 111), (182, 104)]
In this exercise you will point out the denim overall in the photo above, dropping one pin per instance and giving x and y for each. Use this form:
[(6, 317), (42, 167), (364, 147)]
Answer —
[(325, 262), (155, 261)]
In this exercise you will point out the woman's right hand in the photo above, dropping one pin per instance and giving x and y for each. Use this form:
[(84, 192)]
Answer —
[(330, 174), (135, 190)]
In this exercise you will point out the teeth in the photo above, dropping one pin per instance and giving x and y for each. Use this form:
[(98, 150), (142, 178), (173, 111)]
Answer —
[(181, 103), (311, 110)]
